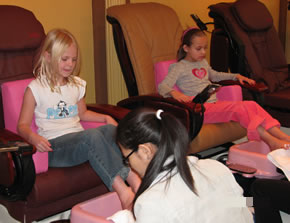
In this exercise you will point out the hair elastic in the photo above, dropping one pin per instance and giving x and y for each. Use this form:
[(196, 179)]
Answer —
[(186, 31), (158, 113)]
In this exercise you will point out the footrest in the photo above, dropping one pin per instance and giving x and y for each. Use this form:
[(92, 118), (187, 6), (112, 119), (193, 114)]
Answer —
[(253, 155), (96, 210)]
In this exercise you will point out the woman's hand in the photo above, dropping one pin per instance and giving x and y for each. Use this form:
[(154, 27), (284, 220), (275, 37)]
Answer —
[(243, 79), (41, 143), (180, 96)]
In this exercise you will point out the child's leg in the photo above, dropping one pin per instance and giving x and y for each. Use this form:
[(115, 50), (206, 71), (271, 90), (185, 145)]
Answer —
[(133, 180), (125, 193), (275, 131), (99, 148), (272, 141), (225, 111), (252, 117)]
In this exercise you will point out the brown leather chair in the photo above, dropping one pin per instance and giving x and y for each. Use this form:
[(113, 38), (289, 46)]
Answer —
[(147, 33), (244, 30), (30, 196)]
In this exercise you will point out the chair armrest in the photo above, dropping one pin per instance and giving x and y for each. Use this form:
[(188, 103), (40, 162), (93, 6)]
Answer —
[(142, 100), (190, 114), (11, 142), (116, 112), (258, 87), (17, 170)]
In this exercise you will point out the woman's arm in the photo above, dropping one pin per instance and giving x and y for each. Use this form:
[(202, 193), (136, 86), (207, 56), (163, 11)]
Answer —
[(25, 120), (91, 116)]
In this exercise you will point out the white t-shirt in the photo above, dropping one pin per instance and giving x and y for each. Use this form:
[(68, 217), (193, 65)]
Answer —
[(55, 113), (219, 199)]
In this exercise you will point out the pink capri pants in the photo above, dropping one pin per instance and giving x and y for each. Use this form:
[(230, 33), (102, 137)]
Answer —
[(248, 113)]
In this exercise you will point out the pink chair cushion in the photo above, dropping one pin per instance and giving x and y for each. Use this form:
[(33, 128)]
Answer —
[(230, 93), (12, 96), (96, 210), (161, 70), (226, 93)]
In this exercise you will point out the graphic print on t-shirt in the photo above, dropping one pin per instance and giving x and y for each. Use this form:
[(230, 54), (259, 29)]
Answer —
[(62, 110), (199, 73)]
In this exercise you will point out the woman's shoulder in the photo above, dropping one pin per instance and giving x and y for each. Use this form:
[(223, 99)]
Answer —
[(208, 165)]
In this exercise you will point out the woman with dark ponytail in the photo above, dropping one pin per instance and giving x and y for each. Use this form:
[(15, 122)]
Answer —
[(176, 187)]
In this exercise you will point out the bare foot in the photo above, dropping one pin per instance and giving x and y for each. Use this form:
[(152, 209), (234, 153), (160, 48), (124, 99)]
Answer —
[(134, 181), (276, 132), (287, 138), (126, 198), (279, 144), (125, 193)]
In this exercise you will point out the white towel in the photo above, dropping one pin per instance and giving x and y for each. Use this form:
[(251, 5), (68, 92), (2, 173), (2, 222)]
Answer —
[(124, 216), (281, 159)]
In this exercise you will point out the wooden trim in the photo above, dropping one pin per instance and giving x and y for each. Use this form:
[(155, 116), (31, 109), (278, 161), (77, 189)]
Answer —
[(99, 35), (283, 22)]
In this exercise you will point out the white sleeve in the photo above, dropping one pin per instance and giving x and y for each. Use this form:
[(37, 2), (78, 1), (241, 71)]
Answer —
[(82, 87), (124, 216)]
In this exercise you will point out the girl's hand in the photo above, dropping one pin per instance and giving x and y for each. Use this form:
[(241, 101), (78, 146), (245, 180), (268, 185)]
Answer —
[(41, 143), (243, 79), (110, 120), (180, 96)]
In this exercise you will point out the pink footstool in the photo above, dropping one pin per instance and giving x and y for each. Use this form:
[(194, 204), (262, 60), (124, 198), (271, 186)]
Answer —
[(96, 210), (254, 154)]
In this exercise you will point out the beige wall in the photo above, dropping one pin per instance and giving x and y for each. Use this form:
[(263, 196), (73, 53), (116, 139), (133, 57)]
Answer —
[(74, 15)]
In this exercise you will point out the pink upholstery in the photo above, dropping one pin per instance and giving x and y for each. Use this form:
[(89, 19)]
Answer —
[(161, 70), (96, 210), (254, 154), (12, 96), (226, 93), (230, 93)]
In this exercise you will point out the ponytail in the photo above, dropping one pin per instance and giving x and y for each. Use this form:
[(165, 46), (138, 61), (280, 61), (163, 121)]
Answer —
[(170, 137)]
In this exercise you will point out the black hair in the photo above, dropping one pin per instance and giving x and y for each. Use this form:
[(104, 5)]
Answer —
[(186, 39), (167, 133)]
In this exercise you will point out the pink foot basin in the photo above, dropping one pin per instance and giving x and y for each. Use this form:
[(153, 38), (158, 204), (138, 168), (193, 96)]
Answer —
[(254, 154), (97, 209)]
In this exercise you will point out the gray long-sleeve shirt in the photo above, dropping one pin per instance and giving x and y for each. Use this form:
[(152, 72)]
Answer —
[(192, 78)]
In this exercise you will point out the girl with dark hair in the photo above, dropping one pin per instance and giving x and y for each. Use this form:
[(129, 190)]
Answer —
[(192, 74), (176, 187)]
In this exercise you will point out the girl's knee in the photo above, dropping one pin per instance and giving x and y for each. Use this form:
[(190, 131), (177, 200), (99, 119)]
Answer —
[(251, 104), (107, 129)]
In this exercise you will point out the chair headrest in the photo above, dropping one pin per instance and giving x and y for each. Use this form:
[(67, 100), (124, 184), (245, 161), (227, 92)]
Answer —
[(252, 15), (152, 32), (19, 29)]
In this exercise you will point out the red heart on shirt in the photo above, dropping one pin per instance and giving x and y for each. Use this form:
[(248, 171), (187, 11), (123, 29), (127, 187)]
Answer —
[(199, 73)]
